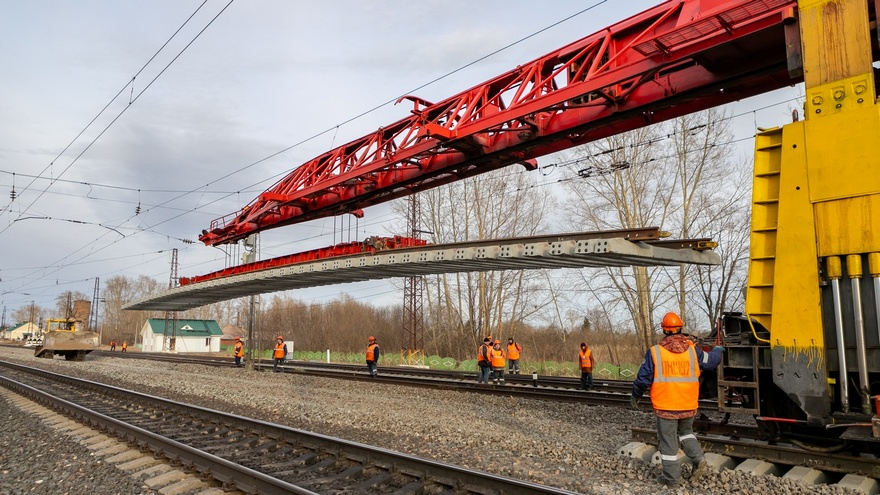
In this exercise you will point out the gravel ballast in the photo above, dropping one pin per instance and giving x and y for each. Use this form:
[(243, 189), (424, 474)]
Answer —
[(570, 446)]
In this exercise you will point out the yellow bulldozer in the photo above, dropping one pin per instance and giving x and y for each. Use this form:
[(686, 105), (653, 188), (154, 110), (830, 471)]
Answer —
[(65, 338)]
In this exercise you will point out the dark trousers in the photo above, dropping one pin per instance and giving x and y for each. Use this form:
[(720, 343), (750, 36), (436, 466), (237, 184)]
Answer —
[(671, 432), (278, 362), (372, 368), (484, 374), (586, 380), (513, 366), (238, 360)]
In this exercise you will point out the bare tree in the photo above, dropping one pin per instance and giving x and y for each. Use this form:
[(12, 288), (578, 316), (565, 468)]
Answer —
[(679, 177), (461, 308)]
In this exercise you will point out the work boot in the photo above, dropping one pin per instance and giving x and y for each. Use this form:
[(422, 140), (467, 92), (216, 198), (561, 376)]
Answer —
[(666, 482), (699, 470)]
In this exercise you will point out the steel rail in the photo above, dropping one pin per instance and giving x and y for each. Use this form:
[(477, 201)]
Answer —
[(220, 469), (431, 472), (776, 452)]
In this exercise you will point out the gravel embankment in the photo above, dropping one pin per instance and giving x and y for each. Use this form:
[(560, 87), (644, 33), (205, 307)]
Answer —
[(564, 445)]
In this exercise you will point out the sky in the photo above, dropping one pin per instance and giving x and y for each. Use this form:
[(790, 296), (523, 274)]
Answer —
[(129, 126)]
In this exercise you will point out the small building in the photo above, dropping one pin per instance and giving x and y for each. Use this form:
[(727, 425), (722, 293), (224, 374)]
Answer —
[(230, 332), (189, 336), (21, 331)]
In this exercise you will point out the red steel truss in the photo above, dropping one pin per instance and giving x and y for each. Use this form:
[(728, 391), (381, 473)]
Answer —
[(671, 60)]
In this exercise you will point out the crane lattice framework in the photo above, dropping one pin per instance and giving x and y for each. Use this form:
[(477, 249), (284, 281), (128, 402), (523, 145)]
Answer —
[(674, 59)]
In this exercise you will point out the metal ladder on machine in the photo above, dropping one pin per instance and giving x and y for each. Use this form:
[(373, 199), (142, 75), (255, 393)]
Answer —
[(749, 403)]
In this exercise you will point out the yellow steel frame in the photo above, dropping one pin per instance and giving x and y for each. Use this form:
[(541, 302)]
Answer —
[(816, 182)]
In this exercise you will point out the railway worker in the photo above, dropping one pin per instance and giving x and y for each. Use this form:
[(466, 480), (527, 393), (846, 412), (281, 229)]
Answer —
[(513, 352), (124, 345), (483, 360), (586, 363), (279, 354), (671, 370), (373, 354), (238, 351), (498, 359), (113, 345)]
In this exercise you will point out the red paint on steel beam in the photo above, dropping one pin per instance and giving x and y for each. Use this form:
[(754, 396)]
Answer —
[(676, 58)]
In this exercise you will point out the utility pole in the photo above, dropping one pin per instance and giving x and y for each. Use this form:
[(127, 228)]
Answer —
[(249, 256), (93, 314), (169, 336), (412, 341)]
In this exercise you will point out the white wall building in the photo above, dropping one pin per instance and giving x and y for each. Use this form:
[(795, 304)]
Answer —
[(189, 336)]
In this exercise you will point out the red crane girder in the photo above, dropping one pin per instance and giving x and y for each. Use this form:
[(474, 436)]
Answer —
[(674, 59)]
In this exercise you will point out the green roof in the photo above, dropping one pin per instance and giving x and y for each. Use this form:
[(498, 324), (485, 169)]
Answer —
[(187, 328)]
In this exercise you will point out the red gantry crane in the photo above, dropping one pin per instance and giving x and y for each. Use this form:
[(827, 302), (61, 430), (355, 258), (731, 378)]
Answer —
[(671, 60)]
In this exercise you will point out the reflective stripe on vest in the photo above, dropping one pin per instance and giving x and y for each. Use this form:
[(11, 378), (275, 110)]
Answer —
[(279, 351), (513, 351), (676, 384), (585, 358), (498, 358), (371, 352)]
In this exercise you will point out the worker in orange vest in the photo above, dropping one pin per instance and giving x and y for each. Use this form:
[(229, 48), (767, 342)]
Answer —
[(124, 345), (373, 354), (483, 360), (238, 351), (279, 354), (585, 361), (113, 345), (498, 360), (513, 352), (671, 370)]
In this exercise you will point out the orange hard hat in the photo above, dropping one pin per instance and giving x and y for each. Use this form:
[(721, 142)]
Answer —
[(671, 323), (237, 338), (279, 338), (372, 339), (497, 341)]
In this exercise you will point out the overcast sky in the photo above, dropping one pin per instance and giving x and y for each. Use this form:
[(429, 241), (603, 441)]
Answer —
[(200, 130)]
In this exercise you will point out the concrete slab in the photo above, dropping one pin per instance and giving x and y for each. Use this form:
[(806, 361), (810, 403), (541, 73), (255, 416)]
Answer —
[(103, 445), (164, 479), (139, 463), (95, 439), (112, 450), (719, 461), (638, 450), (126, 456), (185, 485), (153, 471), (758, 468), (806, 475), (869, 486)]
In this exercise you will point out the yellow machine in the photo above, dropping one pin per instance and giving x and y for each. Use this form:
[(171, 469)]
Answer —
[(64, 337)]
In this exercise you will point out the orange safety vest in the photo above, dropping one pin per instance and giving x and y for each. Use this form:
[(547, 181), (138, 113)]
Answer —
[(513, 350), (586, 362), (239, 349), (371, 352), (497, 358), (676, 384), (124, 345), (279, 351), (483, 353)]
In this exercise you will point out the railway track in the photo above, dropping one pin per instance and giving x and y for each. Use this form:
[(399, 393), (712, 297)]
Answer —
[(247, 454), (742, 443), (613, 393)]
